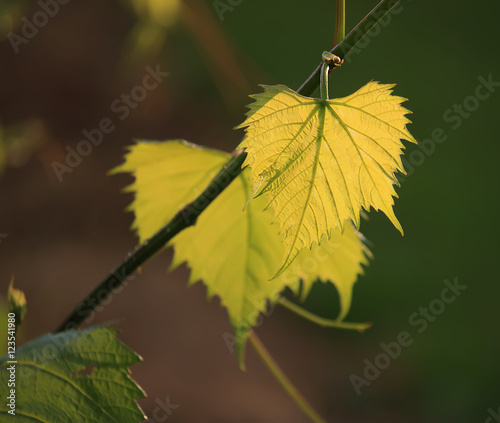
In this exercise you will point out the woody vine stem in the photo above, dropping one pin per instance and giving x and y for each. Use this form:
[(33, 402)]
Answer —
[(187, 216)]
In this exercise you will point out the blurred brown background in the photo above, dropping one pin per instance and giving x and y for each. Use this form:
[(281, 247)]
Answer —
[(61, 238)]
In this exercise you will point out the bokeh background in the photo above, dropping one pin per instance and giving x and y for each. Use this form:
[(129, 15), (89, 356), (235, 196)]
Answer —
[(60, 238)]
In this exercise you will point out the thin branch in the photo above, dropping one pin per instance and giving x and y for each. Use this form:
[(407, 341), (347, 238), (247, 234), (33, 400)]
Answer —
[(183, 219), (339, 23), (283, 379)]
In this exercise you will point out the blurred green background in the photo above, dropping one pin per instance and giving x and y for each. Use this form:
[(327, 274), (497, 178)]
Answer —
[(60, 238)]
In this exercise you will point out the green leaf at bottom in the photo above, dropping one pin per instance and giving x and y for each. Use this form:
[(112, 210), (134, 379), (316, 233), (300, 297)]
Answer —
[(75, 376)]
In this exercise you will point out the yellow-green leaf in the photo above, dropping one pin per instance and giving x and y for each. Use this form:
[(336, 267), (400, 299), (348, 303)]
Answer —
[(322, 161), (234, 251)]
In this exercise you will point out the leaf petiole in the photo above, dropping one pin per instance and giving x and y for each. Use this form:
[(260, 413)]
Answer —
[(361, 327), (330, 61), (283, 379)]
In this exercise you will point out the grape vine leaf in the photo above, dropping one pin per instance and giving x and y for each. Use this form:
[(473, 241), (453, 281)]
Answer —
[(322, 161), (234, 251), (74, 376)]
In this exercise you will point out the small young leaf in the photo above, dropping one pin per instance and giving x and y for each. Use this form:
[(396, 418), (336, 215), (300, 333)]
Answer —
[(323, 161), (17, 302), (74, 376), (234, 252)]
